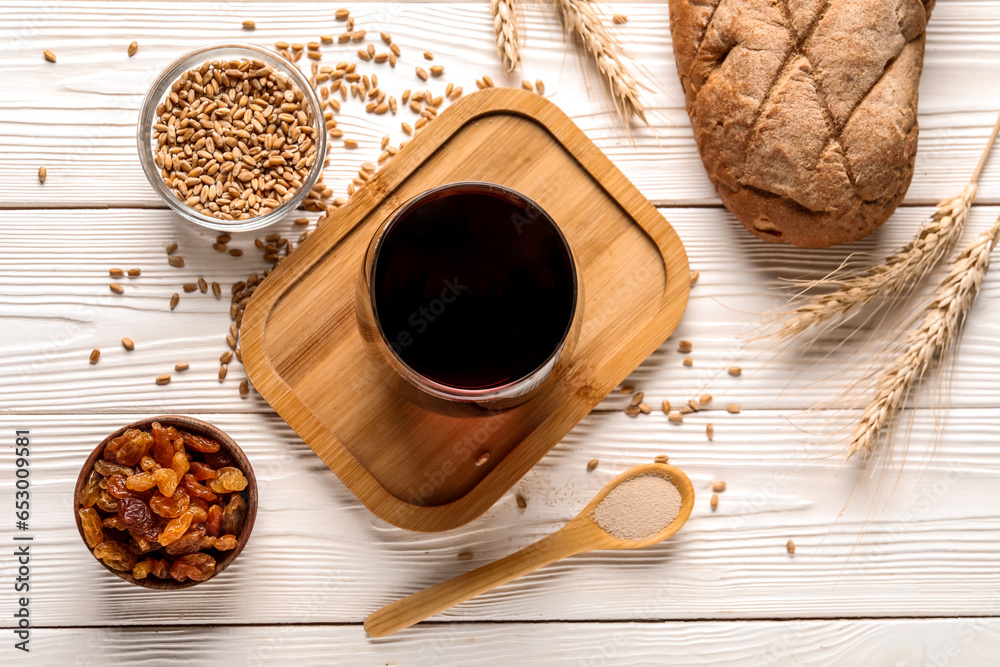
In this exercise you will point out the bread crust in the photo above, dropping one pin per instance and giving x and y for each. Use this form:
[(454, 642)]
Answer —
[(804, 111)]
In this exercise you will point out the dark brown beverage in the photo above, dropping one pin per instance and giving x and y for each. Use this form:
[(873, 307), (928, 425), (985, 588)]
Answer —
[(474, 286)]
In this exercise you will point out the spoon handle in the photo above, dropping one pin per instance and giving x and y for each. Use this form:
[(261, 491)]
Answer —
[(423, 604)]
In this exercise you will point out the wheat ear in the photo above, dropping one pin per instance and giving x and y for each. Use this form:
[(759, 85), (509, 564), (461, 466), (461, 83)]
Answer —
[(505, 27), (941, 325), (900, 271), (584, 22)]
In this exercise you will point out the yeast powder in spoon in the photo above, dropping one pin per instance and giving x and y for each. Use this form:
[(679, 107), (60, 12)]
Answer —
[(639, 507)]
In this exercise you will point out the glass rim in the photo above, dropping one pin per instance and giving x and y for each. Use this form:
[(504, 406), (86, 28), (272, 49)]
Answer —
[(158, 91)]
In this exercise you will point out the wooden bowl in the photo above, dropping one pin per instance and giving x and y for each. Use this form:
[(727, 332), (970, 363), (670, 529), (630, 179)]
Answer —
[(197, 427)]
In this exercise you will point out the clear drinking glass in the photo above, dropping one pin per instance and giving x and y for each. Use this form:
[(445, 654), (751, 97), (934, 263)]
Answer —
[(471, 295)]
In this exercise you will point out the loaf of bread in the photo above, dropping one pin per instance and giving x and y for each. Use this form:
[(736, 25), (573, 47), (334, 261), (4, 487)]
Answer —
[(804, 111)]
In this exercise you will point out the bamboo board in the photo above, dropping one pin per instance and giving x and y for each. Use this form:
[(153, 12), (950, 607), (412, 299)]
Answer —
[(413, 468)]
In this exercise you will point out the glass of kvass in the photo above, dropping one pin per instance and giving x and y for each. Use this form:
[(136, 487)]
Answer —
[(469, 292)]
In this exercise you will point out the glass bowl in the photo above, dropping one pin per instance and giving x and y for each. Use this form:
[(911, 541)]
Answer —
[(161, 88)]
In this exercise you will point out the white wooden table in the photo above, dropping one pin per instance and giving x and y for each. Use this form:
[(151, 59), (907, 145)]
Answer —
[(913, 581)]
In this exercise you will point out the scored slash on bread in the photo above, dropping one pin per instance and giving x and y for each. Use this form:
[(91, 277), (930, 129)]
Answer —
[(804, 111)]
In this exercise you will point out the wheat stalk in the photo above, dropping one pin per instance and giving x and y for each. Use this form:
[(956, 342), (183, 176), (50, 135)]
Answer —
[(583, 21), (505, 27), (941, 325), (900, 271)]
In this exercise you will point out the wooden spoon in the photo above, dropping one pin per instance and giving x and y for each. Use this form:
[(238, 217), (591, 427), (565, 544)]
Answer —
[(578, 536)]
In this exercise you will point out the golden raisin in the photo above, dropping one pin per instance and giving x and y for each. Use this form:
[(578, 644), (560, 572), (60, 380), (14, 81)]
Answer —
[(196, 489), (200, 443), (142, 481), (213, 520), (107, 469), (163, 446), (197, 567), (114, 522), (93, 533), (180, 464), (90, 491), (176, 528), (171, 506), (218, 459), (142, 569), (225, 543), (166, 481), (115, 555), (160, 568), (229, 480), (201, 471), (117, 487), (140, 545), (107, 502), (200, 509), (133, 445), (188, 543)]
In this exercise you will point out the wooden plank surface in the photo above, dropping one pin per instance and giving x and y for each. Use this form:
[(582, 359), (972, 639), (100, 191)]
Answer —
[(78, 116), (930, 550), (722, 591), (971, 642), (56, 299)]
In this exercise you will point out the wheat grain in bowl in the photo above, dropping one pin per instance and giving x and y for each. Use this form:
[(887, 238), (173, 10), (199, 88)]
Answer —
[(230, 137)]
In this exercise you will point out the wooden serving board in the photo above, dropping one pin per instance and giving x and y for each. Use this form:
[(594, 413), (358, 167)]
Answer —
[(413, 468)]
